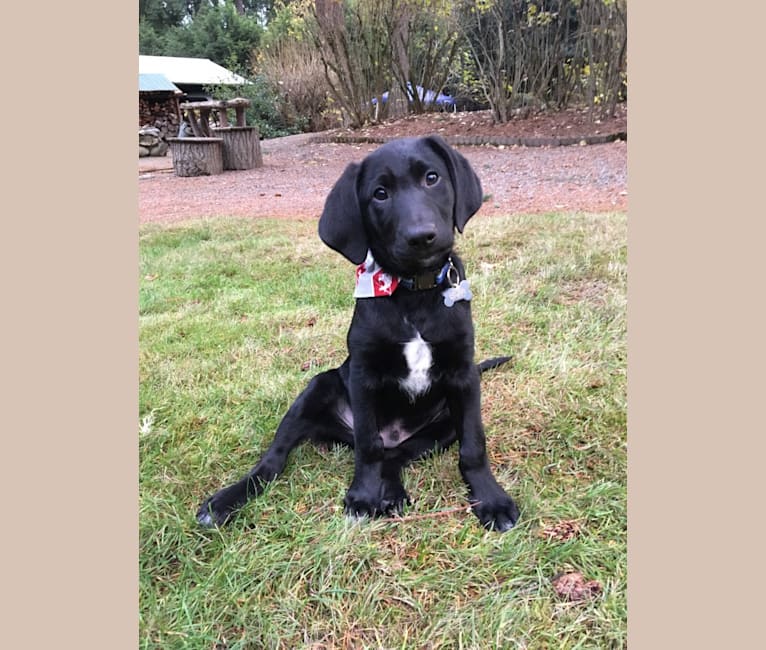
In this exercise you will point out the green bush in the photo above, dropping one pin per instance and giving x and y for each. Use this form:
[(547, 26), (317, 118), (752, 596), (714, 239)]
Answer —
[(266, 107)]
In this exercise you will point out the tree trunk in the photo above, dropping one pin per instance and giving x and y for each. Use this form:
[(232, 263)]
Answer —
[(241, 147), (197, 156)]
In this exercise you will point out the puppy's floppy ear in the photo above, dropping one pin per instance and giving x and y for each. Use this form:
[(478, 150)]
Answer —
[(340, 226), (468, 194)]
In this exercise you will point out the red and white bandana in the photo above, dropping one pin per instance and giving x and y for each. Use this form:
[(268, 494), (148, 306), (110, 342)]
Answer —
[(372, 281)]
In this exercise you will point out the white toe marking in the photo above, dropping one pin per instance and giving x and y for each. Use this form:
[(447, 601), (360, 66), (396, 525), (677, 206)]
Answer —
[(419, 360)]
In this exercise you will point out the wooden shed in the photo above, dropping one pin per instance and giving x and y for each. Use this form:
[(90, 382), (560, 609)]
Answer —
[(191, 75)]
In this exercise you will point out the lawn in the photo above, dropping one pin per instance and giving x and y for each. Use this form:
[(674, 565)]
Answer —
[(236, 315)]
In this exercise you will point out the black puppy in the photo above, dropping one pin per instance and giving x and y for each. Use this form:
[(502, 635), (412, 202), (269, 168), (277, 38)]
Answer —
[(409, 385)]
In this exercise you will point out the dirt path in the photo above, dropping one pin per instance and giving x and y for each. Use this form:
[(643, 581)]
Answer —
[(297, 175)]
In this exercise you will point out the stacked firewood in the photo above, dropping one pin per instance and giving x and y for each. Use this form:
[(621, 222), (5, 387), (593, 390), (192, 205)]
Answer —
[(161, 114)]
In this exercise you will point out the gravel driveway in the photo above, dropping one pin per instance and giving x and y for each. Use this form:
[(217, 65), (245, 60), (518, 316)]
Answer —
[(297, 175)]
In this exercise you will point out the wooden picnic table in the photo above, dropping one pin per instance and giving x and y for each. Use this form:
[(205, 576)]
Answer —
[(213, 149), (199, 114)]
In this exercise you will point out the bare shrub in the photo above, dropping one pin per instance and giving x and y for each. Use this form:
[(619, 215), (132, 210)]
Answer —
[(370, 47), (294, 69), (550, 52)]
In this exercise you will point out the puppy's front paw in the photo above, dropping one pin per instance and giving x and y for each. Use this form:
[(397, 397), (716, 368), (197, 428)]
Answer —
[(390, 500), (217, 510), (499, 513), (395, 498)]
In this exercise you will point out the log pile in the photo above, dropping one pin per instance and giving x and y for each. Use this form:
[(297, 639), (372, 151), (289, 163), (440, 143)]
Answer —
[(159, 111)]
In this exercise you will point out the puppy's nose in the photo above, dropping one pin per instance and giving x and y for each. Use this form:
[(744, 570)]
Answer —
[(421, 237)]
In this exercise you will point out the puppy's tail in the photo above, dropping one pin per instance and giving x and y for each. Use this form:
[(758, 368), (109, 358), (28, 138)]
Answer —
[(494, 362)]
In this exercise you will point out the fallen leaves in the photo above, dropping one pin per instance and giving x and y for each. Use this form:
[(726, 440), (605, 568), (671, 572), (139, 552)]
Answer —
[(562, 531), (572, 586), (311, 364)]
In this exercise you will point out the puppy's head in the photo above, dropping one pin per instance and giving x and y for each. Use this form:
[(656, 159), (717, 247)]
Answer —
[(403, 202)]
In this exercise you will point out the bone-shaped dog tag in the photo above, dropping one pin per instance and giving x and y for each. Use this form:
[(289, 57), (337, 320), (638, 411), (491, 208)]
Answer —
[(459, 292)]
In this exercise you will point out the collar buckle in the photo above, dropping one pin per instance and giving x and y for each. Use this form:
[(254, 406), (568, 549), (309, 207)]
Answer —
[(423, 282), (432, 279)]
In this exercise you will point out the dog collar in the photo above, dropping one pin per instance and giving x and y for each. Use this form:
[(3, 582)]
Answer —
[(429, 280), (372, 281)]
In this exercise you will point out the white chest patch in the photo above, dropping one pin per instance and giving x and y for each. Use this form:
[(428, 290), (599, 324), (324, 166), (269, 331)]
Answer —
[(419, 360)]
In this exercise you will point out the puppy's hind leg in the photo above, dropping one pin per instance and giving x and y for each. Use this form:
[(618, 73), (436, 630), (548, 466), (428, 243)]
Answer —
[(308, 417)]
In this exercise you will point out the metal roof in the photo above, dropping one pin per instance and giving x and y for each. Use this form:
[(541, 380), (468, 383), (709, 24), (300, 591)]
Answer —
[(185, 70), (154, 82)]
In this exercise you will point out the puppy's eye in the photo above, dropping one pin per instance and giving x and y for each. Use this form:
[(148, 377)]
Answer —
[(431, 178), (380, 194)]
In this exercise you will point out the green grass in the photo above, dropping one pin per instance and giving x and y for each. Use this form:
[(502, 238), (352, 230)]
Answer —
[(231, 314)]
